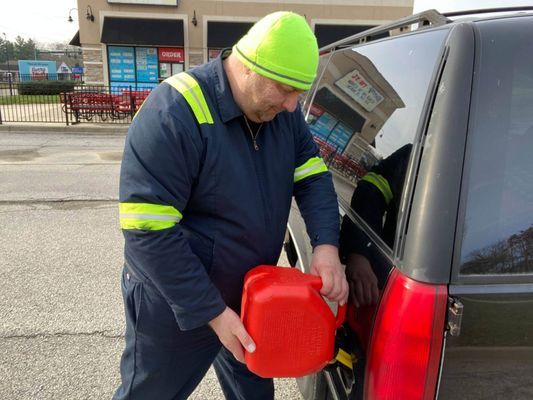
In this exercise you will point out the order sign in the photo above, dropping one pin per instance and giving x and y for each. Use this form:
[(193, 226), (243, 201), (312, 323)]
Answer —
[(173, 54)]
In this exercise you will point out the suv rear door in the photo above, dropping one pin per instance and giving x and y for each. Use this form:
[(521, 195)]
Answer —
[(489, 350)]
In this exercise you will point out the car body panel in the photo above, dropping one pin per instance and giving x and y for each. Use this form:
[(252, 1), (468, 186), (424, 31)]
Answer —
[(436, 196), (466, 214)]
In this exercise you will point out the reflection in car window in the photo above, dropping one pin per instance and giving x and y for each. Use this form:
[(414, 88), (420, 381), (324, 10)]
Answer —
[(365, 114), (498, 233), (366, 107), (408, 66)]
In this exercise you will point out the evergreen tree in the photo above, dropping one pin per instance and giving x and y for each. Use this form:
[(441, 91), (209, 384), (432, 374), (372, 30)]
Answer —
[(5, 52), (24, 49)]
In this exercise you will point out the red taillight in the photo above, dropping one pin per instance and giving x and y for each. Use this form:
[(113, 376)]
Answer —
[(405, 348)]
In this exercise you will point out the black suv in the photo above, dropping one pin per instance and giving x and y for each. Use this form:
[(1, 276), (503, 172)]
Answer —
[(454, 316)]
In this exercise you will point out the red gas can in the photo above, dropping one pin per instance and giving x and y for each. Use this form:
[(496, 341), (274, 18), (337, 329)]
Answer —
[(291, 324)]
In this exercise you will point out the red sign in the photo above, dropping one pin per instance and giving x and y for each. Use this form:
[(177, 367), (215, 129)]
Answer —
[(174, 54), (316, 110)]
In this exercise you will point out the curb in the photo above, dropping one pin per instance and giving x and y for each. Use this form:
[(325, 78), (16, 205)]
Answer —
[(82, 129)]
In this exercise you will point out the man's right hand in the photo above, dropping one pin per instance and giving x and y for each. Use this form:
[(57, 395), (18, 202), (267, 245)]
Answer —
[(362, 280), (232, 334)]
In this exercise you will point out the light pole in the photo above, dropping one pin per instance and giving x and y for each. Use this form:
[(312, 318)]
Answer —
[(7, 54), (69, 14), (8, 66)]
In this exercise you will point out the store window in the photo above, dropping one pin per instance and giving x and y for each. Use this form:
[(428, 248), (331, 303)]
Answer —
[(224, 34), (142, 52), (142, 67), (171, 61)]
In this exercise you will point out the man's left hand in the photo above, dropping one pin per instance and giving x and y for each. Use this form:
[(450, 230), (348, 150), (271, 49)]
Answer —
[(326, 264)]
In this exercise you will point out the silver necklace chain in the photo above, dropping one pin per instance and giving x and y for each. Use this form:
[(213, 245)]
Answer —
[(254, 136)]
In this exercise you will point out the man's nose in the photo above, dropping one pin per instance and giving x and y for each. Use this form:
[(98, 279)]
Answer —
[(291, 101)]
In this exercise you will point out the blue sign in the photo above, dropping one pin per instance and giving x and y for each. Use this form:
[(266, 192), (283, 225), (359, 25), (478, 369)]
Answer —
[(340, 136), (332, 131), (119, 87), (141, 85), (324, 125), (37, 70), (121, 64), (77, 70), (146, 63)]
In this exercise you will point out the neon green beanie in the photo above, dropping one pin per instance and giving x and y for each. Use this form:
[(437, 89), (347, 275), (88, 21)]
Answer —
[(281, 46)]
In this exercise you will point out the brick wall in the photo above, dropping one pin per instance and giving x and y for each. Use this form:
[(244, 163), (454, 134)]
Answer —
[(92, 61)]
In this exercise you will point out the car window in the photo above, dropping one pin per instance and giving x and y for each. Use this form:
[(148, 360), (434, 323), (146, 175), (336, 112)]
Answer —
[(497, 237), (365, 113)]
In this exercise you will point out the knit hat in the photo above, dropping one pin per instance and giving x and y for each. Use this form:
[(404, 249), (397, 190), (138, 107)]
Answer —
[(281, 46)]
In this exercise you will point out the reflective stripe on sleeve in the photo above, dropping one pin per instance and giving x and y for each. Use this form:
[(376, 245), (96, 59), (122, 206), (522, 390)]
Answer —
[(381, 183), (314, 165), (152, 217), (191, 91)]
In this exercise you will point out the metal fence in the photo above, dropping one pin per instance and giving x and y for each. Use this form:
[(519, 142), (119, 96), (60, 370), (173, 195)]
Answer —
[(75, 103)]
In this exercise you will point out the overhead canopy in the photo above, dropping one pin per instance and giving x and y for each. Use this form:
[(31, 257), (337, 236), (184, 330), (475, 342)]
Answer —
[(225, 34), (339, 109), (75, 41), (143, 31)]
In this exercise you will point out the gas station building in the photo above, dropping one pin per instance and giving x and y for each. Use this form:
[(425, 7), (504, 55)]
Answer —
[(141, 42)]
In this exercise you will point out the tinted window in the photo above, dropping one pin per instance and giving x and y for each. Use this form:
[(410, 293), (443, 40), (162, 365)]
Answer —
[(498, 229), (365, 114)]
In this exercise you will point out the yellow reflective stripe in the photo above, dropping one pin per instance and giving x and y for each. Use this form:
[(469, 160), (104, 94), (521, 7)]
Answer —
[(314, 165), (381, 183), (190, 89), (146, 216)]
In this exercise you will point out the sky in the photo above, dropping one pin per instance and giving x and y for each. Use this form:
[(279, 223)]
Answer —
[(45, 21)]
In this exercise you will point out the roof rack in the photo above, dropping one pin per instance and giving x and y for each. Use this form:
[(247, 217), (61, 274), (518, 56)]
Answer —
[(488, 10), (424, 19)]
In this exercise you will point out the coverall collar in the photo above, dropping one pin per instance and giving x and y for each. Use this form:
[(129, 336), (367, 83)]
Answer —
[(226, 104)]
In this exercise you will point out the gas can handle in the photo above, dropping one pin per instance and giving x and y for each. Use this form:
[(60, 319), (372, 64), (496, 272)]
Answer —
[(341, 315), (316, 283)]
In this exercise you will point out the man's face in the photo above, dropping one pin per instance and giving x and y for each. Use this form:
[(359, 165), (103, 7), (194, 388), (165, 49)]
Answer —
[(265, 98)]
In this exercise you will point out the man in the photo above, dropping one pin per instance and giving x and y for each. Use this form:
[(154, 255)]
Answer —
[(376, 199), (209, 169)]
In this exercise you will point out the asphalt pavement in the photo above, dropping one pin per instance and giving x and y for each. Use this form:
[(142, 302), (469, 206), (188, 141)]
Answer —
[(61, 318)]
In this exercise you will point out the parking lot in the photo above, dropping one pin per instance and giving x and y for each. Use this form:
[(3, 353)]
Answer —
[(61, 321)]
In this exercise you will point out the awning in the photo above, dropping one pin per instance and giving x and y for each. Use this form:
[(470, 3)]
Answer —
[(327, 34), (75, 41), (225, 34), (143, 31), (339, 109)]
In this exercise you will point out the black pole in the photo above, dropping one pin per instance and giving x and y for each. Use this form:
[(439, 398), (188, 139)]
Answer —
[(132, 104), (65, 105), (10, 79), (8, 64)]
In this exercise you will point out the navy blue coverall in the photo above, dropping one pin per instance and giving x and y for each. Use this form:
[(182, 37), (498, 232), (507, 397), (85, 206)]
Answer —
[(199, 207)]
